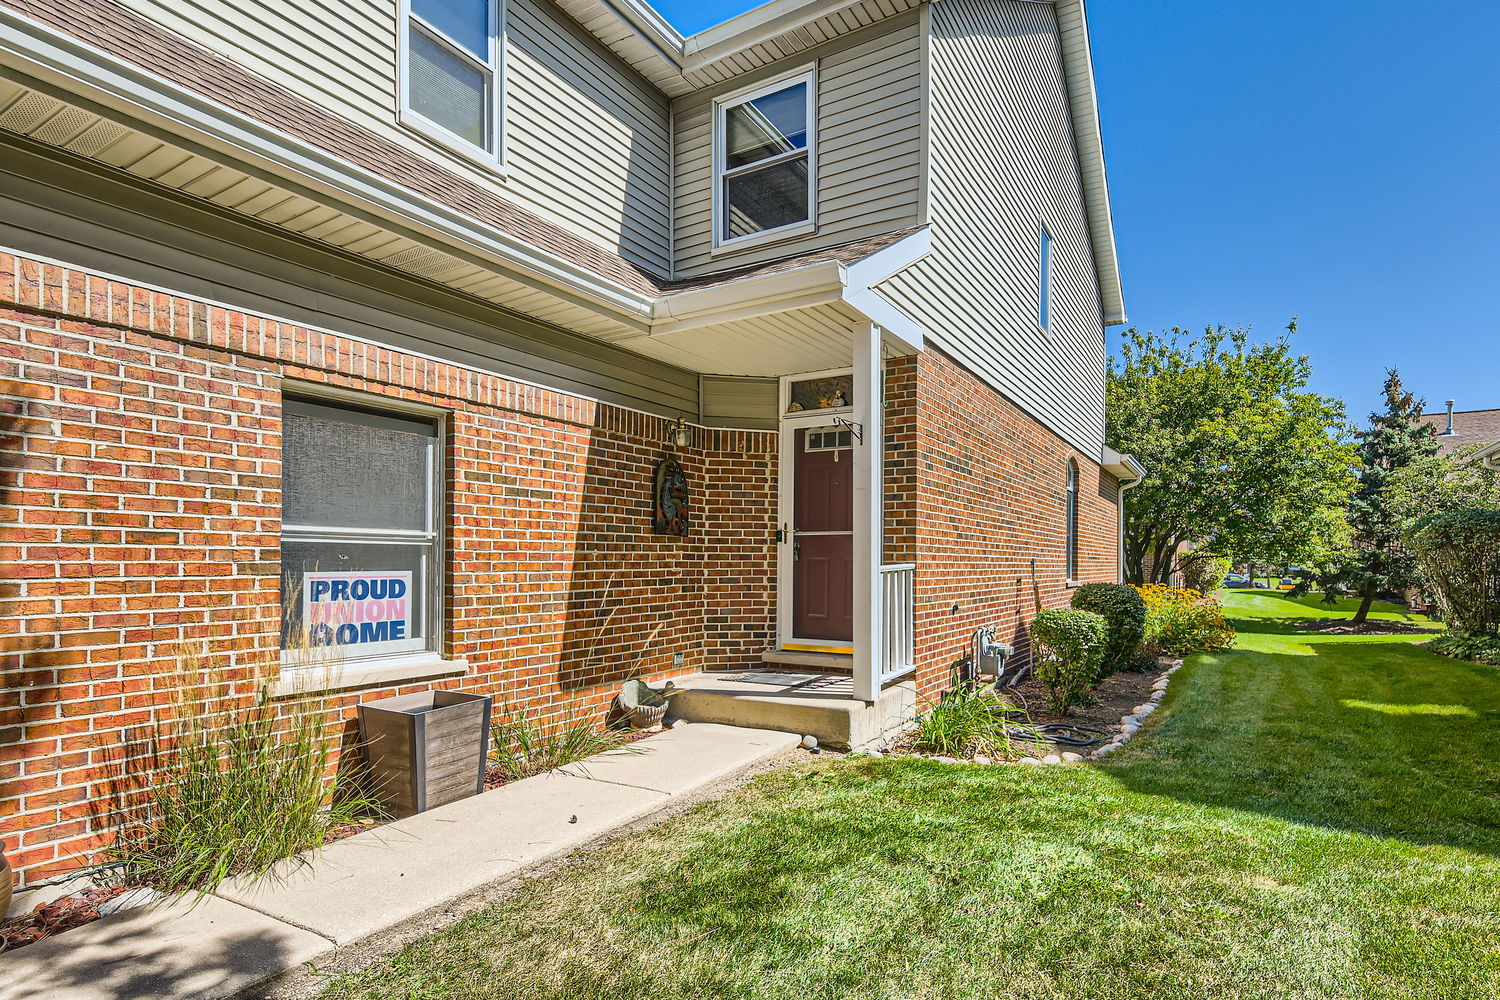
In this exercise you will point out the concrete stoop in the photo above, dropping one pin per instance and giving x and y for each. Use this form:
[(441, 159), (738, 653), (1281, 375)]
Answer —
[(815, 704)]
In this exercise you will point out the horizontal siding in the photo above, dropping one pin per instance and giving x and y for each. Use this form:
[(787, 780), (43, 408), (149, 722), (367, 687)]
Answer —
[(870, 134), (730, 401), (87, 217), (1003, 164), (577, 119)]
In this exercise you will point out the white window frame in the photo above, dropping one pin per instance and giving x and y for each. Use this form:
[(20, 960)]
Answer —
[(722, 105), (492, 158), (1044, 251), (419, 658)]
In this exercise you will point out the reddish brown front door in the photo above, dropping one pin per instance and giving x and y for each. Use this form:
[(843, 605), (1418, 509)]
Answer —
[(823, 542)]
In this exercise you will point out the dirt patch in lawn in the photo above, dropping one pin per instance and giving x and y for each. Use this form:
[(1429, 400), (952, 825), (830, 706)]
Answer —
[(1115, 696), (1341, 626)]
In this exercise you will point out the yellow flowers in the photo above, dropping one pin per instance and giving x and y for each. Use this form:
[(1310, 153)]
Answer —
[(1180, 622)]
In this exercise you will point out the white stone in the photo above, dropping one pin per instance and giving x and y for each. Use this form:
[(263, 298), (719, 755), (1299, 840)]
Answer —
[(1122, 738), (1131, 727), (1157, 696), (810, 742), (1052, 758), (1130, 720), (128, 901), (1072, 758), (677, 723), (983, 760), (946, 760), (1029, 761), (1145, 710), (876, 754)]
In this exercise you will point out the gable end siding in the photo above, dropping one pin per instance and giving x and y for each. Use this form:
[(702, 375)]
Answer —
[(1003, 165)]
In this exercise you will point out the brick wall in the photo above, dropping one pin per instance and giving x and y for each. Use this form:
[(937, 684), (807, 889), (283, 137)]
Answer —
[(140, 512), (990, 497)]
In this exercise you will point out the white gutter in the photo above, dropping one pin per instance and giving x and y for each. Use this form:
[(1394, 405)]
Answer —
[(35, 49), (1122, 466)]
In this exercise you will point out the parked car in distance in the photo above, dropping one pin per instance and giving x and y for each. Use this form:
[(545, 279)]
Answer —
[(1287, 583), (1237, 581), (1260, 585)]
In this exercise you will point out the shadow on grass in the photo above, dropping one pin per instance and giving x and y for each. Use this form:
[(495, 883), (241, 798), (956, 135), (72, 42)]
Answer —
[(1366, 734)]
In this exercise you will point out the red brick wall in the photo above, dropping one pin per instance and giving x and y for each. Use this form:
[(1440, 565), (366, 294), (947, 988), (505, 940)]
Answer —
[(140, 510), (990, 498)]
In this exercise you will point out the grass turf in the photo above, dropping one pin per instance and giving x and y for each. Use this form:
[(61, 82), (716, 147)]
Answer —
[(1312, 816)]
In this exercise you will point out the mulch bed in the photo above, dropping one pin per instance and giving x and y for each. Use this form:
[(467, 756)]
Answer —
[(1115, 696), (1342, 626), (47, 919)]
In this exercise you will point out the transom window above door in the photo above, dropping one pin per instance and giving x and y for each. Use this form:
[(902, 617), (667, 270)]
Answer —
[(765, 160), (451, 74)]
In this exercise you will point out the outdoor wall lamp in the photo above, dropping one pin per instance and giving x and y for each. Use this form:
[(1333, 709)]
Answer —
[(680, 435)]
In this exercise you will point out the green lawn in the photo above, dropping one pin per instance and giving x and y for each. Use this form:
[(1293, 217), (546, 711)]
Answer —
[(1312, 816)]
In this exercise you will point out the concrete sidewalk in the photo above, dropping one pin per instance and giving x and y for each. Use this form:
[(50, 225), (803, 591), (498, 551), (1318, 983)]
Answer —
[(249, 932)]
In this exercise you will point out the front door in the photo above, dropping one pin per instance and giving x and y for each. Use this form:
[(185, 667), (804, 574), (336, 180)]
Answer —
[(823, 536)]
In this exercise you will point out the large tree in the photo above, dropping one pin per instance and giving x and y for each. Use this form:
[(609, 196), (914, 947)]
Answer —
[(1397, 443), (1242, 460)]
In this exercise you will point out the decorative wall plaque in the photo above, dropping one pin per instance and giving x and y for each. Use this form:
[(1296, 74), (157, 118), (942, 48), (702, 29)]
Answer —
[(669, 499)]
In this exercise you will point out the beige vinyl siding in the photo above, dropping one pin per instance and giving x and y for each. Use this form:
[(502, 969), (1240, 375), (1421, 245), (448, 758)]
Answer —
[(1003, 165), (734, 401), (587, 139), (57, 206), (870, 134)]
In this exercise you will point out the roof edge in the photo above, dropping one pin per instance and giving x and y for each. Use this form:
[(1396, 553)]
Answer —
[(1083, 104)]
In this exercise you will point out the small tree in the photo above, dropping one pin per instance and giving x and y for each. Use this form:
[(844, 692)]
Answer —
[(1240, 456), (1454, 481), (1377, 562), (1459, 551)]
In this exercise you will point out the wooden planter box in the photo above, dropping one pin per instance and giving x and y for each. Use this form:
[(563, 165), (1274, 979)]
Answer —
[(426, 749)]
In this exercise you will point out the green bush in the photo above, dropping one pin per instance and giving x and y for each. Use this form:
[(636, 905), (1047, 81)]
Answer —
[(1459, 552), (1182, 622), (1124, 615), (1476, 648), (1205, 573), (1067, 647)]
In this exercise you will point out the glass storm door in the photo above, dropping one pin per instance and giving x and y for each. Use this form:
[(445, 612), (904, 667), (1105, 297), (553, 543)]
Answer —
[(823, 536)]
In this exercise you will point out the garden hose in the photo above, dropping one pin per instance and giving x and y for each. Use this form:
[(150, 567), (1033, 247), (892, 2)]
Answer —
[(1062, 733)]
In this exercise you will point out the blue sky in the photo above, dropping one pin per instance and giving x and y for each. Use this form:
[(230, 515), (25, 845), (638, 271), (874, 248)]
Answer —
[(1336, 161)]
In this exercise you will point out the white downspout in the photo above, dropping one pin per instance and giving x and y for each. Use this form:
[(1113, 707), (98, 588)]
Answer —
[(869, 504), (1140, 474)]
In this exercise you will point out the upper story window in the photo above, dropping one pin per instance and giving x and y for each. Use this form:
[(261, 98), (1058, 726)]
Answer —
[(765, 163), (452, 69), (1044, 280)]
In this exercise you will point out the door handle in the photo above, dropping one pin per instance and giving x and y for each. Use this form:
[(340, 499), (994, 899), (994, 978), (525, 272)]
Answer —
[(783, 533)]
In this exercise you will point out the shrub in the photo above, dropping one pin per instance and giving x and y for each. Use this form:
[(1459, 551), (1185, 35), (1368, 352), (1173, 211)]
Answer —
[(1068, 647), (1204, 573), (969, 720), (1124, 615), (521, 746), (1459, 552), (1182, 622), (1476, 648), (224, 781)]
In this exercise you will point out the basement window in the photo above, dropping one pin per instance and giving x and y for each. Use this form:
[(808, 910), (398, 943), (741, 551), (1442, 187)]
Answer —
[(765, 160), (451, 73), (360, 548)]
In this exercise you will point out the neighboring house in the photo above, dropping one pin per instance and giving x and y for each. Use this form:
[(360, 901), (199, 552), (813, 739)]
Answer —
[(1457, 428), (412, 302)]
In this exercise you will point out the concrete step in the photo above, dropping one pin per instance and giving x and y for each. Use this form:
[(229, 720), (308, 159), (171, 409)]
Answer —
[(826, 663), (805, 703)]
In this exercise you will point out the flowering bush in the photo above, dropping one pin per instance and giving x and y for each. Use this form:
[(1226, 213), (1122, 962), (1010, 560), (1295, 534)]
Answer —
[(1069, 646), (1182, 622)]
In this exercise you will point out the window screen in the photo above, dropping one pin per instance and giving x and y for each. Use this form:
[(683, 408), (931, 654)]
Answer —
[(359, 542)]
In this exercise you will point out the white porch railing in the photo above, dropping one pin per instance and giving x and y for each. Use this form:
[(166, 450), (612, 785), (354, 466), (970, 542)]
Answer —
[(898, 630)]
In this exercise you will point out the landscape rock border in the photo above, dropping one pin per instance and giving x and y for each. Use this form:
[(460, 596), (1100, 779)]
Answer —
[(1131, 724)]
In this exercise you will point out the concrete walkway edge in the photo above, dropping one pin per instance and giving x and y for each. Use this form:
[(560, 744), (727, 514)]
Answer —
[(246, 933)]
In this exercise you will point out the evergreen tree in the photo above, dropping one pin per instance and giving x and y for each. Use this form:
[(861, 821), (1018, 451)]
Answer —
[(1377, 562)]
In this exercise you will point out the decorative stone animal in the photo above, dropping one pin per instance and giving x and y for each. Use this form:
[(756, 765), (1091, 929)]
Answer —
[(644, 705)]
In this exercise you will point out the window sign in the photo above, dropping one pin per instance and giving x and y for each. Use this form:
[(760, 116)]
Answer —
[(353, 609), (360, 542)]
